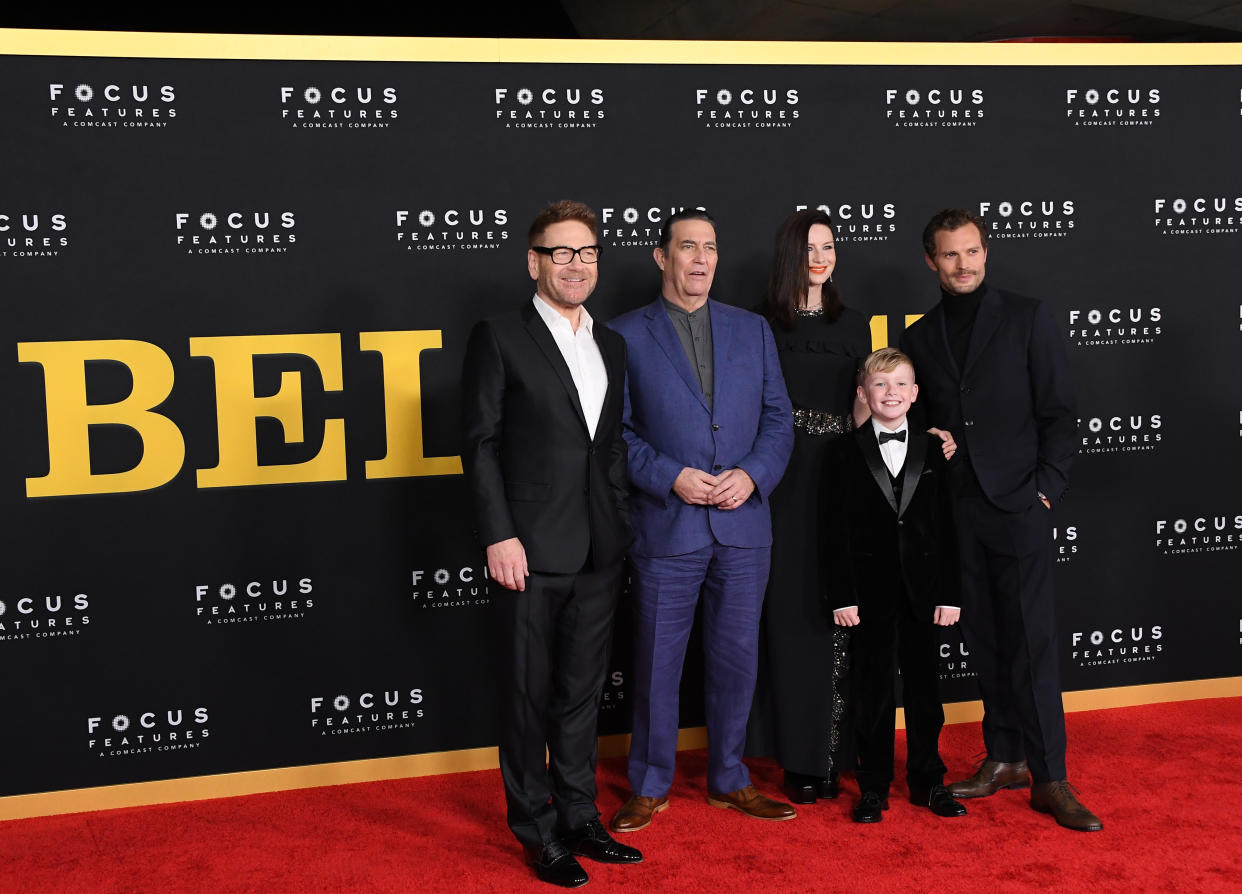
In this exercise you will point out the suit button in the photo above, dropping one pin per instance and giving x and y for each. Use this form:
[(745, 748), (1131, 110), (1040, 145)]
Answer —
[(965, 390), (900, 522), (969, 423), (716, 468), (715, 427)]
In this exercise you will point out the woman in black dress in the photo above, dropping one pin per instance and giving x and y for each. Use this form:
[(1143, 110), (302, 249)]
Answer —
[(798, 709)]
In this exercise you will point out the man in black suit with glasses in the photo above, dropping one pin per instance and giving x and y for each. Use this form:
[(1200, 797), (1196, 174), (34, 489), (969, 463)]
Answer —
[(541, 406)]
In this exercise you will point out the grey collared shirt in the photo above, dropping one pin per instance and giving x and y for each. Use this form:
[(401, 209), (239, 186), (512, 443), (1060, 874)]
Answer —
[(694, 331)]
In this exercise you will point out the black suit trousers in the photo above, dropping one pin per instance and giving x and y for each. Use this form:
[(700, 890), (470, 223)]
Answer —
[(1009, 625), (555, 642), (885, 640)]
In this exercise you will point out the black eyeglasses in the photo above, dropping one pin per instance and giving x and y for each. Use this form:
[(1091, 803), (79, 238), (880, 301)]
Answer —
[(563, 254)]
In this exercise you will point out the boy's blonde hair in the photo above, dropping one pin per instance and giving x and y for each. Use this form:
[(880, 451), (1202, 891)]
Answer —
[(882, 361)]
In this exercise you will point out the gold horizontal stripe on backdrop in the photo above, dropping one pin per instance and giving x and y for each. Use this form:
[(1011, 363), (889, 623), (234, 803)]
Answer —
[(223, 785), (136, 44)]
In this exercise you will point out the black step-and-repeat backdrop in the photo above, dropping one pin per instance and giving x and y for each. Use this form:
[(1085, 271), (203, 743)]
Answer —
[(236, 295)]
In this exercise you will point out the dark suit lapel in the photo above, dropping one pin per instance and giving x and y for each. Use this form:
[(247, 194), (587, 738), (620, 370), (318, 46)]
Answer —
[(941, 331), (615, 366), (986, 323), (542, 337), (917, 444), (661, 329), (870, 448)]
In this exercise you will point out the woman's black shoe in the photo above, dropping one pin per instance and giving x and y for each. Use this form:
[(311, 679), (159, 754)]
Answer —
[(800, 788)]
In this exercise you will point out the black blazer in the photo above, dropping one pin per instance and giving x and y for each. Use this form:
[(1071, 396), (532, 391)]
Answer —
[(1012, 409), (879, 551), (535, 473)]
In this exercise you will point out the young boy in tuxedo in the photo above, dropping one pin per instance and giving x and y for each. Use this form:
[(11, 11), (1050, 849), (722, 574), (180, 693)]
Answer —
[(892, 559)]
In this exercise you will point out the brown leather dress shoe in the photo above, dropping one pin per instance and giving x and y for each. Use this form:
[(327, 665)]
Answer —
[(636, 813), (1057, 798), (752, 802), (990, 777)]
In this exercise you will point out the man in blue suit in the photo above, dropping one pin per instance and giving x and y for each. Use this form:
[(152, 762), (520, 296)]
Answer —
[(709, 429)]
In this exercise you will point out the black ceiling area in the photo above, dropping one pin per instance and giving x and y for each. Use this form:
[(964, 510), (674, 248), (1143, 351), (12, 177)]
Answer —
[(1152, 21)]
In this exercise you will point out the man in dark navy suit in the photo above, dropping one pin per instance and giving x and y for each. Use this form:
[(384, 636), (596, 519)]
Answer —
[(993, 370), (541, 404)]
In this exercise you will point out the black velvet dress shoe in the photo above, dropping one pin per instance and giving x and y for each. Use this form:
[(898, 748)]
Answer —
[(593, 842), (555, 865), (800, 788), (936, 799), (870, 809), (830, 786)]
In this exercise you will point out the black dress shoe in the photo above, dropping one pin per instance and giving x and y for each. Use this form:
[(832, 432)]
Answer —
[(936, 799), (555, 865), (830, 786), (870, 809), (799, 788), (593, 842)]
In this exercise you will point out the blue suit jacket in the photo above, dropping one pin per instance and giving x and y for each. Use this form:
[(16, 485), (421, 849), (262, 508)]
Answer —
[(668, 426)]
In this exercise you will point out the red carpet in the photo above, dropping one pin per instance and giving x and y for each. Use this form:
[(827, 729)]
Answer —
[(1164, 779)]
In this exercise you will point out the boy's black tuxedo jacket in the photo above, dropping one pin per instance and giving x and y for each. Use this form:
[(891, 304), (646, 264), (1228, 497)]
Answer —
[(877, 550)]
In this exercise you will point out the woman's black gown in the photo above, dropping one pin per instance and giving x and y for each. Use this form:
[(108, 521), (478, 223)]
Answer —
[(797, 711)]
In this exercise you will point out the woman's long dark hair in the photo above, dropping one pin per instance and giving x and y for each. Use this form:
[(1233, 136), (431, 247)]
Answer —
[(790, 278)]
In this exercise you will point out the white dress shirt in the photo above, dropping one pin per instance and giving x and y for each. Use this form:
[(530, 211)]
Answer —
[(894, 452), (582, 356)]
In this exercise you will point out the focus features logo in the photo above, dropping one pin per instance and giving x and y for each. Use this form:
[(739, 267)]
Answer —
[(33, 234), (1205, 534), (614, 692), (1065, 540), (1112, 106), (523, 108), (1121, 645), (282, 599), (450, 587), (1028, 219), (147, 732), (1120, 434), (747, 107), (934, 107), (1198, 216), (860, 221), (1097, 327), (330, 108), (633, 225), (43, 617), (235, 232), (112, 105), (954, 661), (452, 229), (366, 712)]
